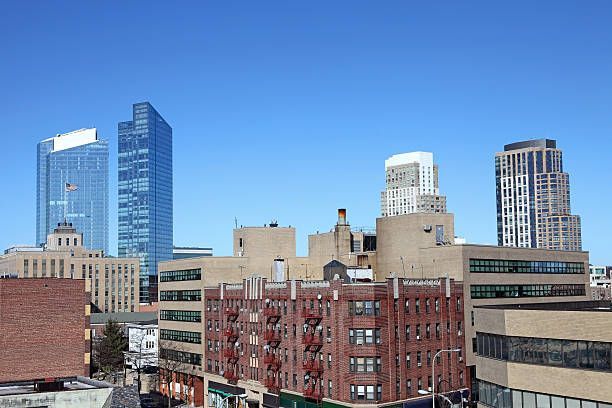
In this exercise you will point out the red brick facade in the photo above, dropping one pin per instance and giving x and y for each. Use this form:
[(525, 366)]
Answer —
[(42, 329), (296, 335)]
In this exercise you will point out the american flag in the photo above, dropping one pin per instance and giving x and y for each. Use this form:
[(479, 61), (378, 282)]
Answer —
[(71, 187)]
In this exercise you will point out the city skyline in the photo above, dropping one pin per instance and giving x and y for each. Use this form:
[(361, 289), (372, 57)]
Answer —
[(267, 128)]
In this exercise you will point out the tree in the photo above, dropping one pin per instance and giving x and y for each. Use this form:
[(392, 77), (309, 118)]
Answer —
[(108, 351)]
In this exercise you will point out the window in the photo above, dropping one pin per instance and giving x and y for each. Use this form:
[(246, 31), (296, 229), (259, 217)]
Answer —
[(180, 295), (517, 291), (181, 336), (512, 266), (366, 392), (180, 275), (364, 336), (542, 351), (407, 332), (364, 308), (180, 356), (181, 315), (408, 362), (417, 305), (364, 364)]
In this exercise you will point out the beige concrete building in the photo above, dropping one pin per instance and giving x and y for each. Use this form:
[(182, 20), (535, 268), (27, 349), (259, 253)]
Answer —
[(555, 355), (114, 281), (354, 248)]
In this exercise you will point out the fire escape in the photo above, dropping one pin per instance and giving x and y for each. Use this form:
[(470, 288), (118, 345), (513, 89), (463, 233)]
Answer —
[(272, 337), (231, 348), (313, 342)]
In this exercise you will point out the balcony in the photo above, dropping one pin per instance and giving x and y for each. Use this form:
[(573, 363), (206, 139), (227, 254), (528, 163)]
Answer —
[(230, 353), (230, 332), (313, 366), (271, 359), (312, 313), (272, 312), (272, 336), (311, 393), (231, 312), (230, 375), (312, 340)]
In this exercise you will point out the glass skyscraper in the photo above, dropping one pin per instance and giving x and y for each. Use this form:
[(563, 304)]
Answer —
[(80, 160), (145, 193)]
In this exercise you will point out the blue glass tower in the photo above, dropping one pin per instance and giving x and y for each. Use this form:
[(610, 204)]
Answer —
[(145, 194), (81, 160)]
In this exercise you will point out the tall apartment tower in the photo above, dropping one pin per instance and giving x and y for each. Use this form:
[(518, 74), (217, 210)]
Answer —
[(411, 185), (145, 194), (72, 186), (533, 198)]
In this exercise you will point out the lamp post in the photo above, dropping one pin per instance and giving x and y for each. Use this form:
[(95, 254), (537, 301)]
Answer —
[(232, 396), (433, 378)]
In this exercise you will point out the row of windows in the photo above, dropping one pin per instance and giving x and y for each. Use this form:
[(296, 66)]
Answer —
[(182, 336), (551, 352), (498, 396), (180, 356), (364, 307), (364, 336), (181, 315), (180, 275), (364, 364), (512, 291), (180, 295), (506, 266), (366, 392)]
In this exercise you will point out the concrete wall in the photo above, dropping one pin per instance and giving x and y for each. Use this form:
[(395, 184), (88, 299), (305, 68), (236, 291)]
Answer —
[(91, 398), (402, 236)]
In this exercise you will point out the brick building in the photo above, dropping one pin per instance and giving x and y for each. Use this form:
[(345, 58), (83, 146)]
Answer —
[(44, 335), (322, 342)]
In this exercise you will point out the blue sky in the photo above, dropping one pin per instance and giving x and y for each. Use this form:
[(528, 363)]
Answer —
[(287, 110)]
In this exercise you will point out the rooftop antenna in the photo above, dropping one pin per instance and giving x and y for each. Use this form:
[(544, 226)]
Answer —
[(236, 222)]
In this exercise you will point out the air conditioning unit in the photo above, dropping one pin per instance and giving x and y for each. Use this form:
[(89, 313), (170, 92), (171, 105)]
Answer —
[(427, 228), (208, 308), (459, 333), (419, 364), (329, 339), (242, 353), (460, 358), (418, 337)]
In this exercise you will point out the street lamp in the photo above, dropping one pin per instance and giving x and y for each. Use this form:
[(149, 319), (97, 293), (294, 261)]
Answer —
[(433, 378), (450, 403), (241, 396)]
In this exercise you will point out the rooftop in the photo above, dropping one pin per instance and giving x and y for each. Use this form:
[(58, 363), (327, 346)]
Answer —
[(544, 143)]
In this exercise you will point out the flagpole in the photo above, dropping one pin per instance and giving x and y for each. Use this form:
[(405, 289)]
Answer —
[(65, 201)]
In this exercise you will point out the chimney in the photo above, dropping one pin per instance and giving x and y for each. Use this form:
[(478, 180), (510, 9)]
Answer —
[(341, 216)]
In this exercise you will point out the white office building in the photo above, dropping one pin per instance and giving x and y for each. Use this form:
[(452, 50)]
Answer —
[(411, 185)]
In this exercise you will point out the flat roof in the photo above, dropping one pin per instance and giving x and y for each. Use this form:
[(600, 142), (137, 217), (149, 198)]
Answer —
[(546, 143), (70, 384), (581, 306), (124, 317)]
